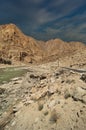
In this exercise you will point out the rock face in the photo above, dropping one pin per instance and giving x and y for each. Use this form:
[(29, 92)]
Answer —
[(15, 46)]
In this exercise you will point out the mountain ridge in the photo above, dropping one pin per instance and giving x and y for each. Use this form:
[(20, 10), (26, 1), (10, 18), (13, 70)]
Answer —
[(16, 46)]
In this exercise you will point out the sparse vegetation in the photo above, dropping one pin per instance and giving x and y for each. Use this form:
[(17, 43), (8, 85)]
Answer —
[(40, 106), (67, 94), (8, 73), (2, 90), (46, 113), (83, 77), (68, 81), (54, 116), (5, 61)]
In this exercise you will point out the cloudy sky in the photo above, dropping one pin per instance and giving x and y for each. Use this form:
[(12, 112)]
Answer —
[(47, 19)]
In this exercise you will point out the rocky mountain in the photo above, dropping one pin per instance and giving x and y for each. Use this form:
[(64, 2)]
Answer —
[(15, 46)]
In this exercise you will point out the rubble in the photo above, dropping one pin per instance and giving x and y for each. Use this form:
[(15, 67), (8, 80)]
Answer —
[(41, 91)]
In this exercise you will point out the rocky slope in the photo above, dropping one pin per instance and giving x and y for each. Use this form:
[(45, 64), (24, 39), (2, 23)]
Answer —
[(48, 97), (15, 46)]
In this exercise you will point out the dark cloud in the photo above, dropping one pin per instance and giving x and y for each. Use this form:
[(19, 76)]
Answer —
[(46, 19)]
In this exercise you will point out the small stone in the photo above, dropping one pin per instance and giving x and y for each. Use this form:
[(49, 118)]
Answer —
[(37, 120), (28, 102), (13, 123), (52, 103), (17, 107), (15, 110)]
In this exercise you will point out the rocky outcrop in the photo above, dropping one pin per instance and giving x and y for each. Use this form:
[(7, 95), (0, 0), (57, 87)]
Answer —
[(16, 46)]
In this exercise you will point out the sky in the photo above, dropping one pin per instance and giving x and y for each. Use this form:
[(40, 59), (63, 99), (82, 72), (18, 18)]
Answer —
[(47, 19)]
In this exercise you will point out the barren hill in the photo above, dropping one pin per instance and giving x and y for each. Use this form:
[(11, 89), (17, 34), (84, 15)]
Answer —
[(16, 46)]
